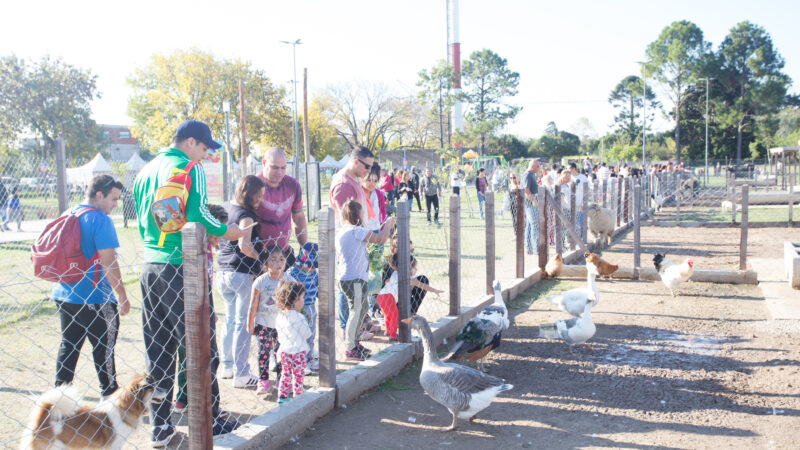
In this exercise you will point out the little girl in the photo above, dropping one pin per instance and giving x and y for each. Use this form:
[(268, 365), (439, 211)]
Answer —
[(351, 243), (264, 312), (387, 297), (294, 332)]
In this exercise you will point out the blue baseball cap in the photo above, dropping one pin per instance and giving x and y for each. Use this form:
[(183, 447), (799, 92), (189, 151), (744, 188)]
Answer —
[(308, 256), (197, 130)]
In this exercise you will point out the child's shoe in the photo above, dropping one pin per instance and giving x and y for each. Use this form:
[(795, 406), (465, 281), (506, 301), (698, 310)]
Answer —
[(263, 387), (282, 401), (179, 407)]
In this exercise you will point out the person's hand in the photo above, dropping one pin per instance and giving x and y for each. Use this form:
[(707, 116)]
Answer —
[(124, 306), (234, 233)]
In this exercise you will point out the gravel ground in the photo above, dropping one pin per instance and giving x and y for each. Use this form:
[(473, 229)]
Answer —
[(704, 370)]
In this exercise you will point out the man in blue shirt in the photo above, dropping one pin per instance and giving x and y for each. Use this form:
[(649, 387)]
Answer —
[(88, 308), (531, 190)]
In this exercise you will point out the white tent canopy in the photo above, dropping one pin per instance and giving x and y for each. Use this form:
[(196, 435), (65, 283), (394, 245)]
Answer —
[(343, 162), (329, 163), (135, 163), (84, 174)]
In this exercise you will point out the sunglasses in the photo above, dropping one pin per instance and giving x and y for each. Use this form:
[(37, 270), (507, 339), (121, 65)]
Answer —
[(366, 166)]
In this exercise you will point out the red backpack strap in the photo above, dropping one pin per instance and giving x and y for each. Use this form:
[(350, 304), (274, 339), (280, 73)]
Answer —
[(95, 259)]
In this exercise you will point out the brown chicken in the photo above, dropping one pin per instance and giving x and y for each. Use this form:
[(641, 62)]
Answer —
[(604, 269), (554, 266)]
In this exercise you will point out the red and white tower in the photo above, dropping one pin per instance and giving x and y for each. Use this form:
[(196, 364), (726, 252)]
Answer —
[(454, 58)]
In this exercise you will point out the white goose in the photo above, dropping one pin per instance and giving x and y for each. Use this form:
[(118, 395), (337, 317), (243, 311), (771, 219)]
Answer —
[(462, 390), (575, 331), (574, 300)]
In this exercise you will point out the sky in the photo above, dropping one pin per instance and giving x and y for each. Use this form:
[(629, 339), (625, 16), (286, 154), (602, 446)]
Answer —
[(569, 54)]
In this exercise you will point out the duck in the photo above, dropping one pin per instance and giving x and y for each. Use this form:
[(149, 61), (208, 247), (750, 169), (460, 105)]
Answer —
[(573, 301), (481, 334), (575, 331), (464, 391)]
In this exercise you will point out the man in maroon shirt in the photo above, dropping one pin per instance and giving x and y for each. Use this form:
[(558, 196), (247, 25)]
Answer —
[(282, 205), (345, 185)]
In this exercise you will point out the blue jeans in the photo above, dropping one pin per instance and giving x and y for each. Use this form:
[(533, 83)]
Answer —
[(310, 311), (481, 199), (235, 350), (531, 228), (342, 309)]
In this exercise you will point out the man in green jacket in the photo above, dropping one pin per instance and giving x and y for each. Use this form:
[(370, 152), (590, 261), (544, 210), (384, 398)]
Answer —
[(162, 275)]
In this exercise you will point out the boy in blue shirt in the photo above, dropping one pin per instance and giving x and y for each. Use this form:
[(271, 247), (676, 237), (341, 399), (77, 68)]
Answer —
[(304, 271)]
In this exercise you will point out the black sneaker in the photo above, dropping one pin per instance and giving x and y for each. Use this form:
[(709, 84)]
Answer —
[(161, 435), (364, 350), (354, 355), (224, 425)]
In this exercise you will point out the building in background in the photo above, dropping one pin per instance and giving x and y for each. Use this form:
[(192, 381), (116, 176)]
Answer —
[(121, 145)]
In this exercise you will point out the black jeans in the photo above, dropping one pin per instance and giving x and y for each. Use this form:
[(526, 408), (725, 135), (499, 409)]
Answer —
[(164, 329), (432, 200), (98, 323), (416, 196), (417, 294)]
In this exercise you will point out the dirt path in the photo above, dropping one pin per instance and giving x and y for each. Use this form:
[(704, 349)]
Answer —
[(705, 370)]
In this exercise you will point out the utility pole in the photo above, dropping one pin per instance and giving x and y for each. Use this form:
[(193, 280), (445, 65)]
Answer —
[(242, 136), (305, 114), (294, 92), (226, 108), (706, 170)]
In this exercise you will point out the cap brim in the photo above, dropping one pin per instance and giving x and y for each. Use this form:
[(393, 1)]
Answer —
[(212, 144)]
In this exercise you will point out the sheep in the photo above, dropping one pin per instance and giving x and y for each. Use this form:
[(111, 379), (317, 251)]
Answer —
[(601, 223), (727, 205)]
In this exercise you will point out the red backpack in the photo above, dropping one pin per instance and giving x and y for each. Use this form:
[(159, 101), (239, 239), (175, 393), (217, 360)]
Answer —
[(57, 254)]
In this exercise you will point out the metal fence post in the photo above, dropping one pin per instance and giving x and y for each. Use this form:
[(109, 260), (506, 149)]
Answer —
[(521, 224), (326, 294), (490, 256), (559, 233), (61, 176), (198, 334), (618, 201), (454, 263), (605, 189), (744, 226), (678, 199), (732, 190), (791, 199), (585, 202), (637, 209), (542, 240), (403, 268)]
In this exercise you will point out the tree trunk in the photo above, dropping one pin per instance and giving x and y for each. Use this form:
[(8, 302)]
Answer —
[(739, 128)]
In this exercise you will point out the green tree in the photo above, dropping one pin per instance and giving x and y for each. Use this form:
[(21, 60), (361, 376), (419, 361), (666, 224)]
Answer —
[(627, 98), (487, 82), (435, 91), (675, 58), (194, 84), (48, 99), (322, 137), (751, 78), (555, 144), (509, 146)]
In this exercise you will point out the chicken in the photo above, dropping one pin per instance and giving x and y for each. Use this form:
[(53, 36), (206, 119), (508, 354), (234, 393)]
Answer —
[(604, 269), (554, 266), (672, 275)]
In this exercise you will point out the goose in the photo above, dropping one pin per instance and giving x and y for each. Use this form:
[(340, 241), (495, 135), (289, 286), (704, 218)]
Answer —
[(574, 300), (575, 331), (463, 390), (481, 334)]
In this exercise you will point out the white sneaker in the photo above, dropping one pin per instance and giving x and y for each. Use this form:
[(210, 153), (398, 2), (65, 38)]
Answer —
[(313, 364), (245, 382), (226, 374)]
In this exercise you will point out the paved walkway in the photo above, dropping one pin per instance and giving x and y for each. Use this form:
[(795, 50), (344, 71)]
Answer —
[(783, 302)]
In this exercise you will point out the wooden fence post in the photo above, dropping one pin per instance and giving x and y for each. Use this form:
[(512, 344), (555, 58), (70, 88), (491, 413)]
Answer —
[(326, 295), (519, 199), (559, 233), (454, 263), (61, 176), (490, 259), (791, 199), (198, 334), (637, 210), (403, 268), (732, 190), (572, 212), (542, 239), (745, 223)]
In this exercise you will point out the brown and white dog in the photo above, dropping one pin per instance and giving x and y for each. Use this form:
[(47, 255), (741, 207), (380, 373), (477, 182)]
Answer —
[(57, 421)]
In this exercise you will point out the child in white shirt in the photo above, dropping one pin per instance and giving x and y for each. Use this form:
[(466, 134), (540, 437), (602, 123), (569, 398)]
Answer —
[(387, 297), (293, 331)]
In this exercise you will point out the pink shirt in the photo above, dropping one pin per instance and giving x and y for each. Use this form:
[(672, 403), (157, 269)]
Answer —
[(275, 212), (343, 188)]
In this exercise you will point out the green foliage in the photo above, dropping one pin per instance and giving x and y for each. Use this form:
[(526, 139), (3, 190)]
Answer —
[(627, 97), (487, 82), (194, 84), (555, 144), (436, 93), (48, 99), (675, 58)]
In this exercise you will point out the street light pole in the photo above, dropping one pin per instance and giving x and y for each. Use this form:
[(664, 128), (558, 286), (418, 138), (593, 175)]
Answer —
[(707, 80), (294, 93), (644, 115)]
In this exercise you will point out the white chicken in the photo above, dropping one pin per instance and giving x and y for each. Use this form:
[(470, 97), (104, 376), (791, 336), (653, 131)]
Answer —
[(672, 275), (573, 301)]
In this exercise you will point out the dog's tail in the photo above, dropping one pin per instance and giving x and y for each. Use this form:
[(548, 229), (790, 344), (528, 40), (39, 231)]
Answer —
[(52, 406)]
